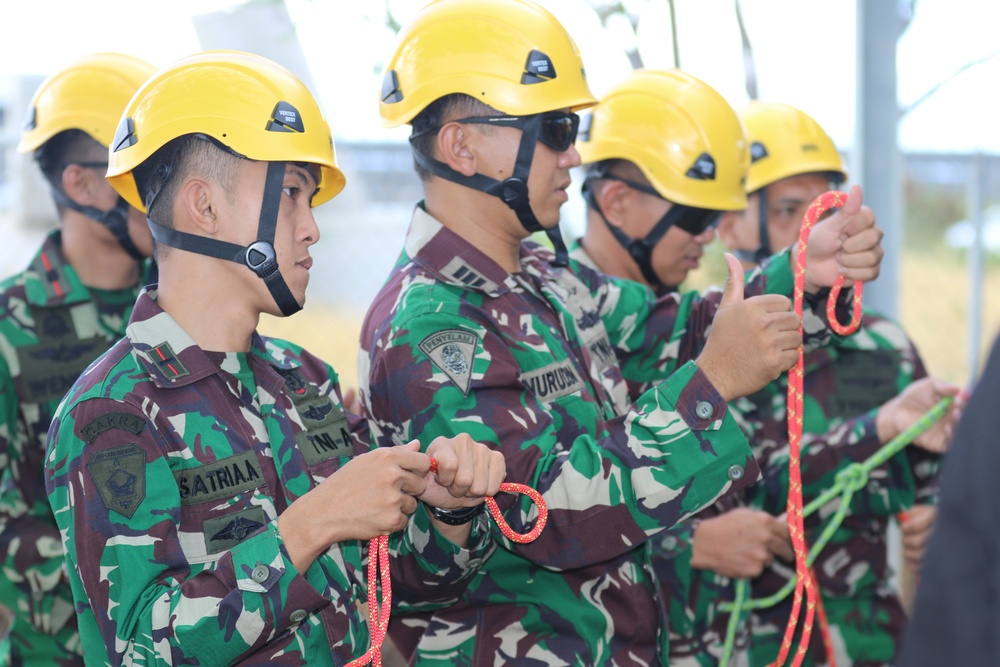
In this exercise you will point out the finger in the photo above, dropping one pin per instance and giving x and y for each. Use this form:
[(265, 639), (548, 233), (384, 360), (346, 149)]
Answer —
[(785, 321), (443, 451), (409, 457), (788, 341), (497, 474), (408, 505), (733, 292), (867, 240), (465, 474), (412, 484), (773, 303)]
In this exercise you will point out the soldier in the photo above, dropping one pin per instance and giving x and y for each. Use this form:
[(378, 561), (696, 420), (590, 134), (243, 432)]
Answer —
[(58, 315), (643, 137), (851, 402), (956, 616), (210, 490), (475, 327)]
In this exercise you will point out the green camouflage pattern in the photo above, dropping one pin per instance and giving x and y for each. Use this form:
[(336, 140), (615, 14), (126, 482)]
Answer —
[(844, 385), (545, 364), (167, 469), (51, 328)]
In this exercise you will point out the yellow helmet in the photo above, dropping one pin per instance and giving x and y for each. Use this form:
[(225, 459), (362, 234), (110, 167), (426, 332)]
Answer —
[(679, 131), (786, 142), (248, 103), (510, 54), (88, 95)]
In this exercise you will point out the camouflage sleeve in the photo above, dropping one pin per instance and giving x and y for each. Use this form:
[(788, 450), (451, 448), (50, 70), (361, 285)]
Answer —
[(30, 545), (652, 337), (645, 471), (118, 506), (429, 571)]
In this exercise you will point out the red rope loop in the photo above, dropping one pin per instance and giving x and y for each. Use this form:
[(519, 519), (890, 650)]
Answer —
[(796, 527), (378, 560)]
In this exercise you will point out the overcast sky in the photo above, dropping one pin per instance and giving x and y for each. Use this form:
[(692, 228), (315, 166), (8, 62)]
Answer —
[(804, 49)]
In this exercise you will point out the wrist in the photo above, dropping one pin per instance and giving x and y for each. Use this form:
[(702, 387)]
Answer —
[(455, 517)]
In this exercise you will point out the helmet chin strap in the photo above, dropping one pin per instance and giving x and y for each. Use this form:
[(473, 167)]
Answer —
[(259, 256), (114, 220), (640, 250), (512, 191), (763, 250)]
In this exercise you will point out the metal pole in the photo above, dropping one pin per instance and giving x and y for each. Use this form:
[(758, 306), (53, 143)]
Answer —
[(877, 160), (976, 203)]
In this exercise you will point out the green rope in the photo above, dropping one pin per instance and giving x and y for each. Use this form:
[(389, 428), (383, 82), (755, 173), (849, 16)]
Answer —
[(851, 479)]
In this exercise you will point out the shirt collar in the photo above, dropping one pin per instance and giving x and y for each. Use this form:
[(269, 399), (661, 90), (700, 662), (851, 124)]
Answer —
[(450, 258), (50, 280), (172, 358)]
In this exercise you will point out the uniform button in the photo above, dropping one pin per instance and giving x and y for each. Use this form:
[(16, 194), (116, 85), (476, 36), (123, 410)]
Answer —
[(260, 574), (703, 409), (736, 472), (474, 563), (297, 616), (669, 542)]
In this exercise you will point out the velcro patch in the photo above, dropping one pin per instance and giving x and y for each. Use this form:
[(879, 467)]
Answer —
[(223, 479), (553, 381), (225, 532), (112, 420), (452, 352), (120, 477), (327, 435), (168, 363)]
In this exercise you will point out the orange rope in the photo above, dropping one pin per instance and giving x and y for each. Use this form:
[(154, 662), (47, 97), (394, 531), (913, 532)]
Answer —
[(796, 528), (378, 560)]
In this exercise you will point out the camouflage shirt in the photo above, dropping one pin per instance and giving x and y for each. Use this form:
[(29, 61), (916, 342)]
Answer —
[(542, 364), (844, 385), (51, 328), (167, 468)]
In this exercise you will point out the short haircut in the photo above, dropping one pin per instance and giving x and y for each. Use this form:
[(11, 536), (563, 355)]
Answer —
[(160, 176), (437, 113), (620, 167), (64, 148)]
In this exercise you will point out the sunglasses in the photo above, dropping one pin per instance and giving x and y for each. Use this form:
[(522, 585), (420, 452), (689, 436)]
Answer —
[(558, 128), (692, 220)]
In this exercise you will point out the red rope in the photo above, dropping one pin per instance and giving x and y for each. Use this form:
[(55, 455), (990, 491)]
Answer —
[(378, 560), (796, 528)]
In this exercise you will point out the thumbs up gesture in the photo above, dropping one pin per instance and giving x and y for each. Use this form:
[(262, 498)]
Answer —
[(847, 242), (751, 342)]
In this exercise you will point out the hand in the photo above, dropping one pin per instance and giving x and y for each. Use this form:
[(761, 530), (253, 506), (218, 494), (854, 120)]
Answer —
[(740, 543), (847, 243), (901, 412), (468, 471), (372, 495), (916, 530), (752, 341), (352, 401)]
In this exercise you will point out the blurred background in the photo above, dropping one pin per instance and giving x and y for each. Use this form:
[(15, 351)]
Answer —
[(901, 85)]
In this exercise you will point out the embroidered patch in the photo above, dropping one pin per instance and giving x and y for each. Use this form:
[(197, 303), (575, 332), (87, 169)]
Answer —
[(168, 363), (225, 532), (863, 381), (295, 383), (553, 381), (453, 351), (120, 477), (327, 435), (223, 479), (112, 420), (48, 370)]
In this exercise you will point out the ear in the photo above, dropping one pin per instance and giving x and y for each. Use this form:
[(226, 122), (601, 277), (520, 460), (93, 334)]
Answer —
[(197, 203), (454, 150), (78, 184), (613, 198)]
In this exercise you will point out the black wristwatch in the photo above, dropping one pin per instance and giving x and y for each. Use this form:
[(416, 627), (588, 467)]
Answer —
[(456, 517)]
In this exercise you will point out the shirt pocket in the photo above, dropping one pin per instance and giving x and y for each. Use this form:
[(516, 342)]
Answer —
[(222, 504)]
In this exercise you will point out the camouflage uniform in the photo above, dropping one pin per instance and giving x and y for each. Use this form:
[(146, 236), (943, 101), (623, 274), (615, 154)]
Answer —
[(696, 627), (841, 383), (168, 466), (51, 328), (536, 363)]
